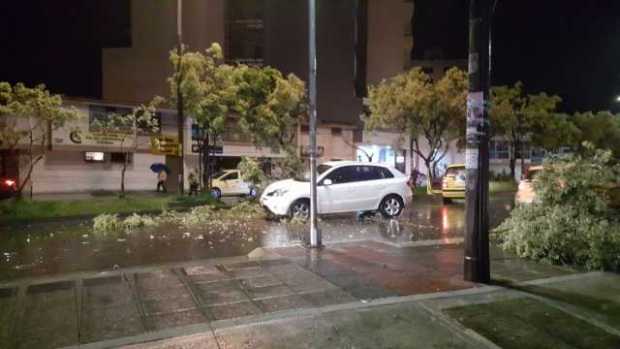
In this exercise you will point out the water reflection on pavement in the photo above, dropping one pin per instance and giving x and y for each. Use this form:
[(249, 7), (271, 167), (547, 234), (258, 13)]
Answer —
[(54, 248)]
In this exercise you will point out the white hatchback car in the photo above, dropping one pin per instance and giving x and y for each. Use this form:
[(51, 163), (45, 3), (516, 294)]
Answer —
[(343, 186), (228, 183)]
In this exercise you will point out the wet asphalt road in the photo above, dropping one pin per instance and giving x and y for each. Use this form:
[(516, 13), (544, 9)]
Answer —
[(56, 248)]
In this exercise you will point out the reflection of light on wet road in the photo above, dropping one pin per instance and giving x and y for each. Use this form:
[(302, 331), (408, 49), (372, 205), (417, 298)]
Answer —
[(54, 248), (445, 223)]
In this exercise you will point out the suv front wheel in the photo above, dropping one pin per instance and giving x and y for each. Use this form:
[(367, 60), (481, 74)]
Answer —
[(300, 210), (391, 206)]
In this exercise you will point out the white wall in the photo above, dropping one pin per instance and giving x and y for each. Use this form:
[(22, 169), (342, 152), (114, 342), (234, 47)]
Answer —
[(336, 146), (398, 141), (66, 171)]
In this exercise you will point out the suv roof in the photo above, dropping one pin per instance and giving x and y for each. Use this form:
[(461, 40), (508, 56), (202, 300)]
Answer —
[(351, 163)]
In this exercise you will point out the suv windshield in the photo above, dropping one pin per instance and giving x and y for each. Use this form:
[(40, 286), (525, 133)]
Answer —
[(320, 170)]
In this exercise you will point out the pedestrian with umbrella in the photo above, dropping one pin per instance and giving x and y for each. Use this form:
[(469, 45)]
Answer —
[(162, 175)]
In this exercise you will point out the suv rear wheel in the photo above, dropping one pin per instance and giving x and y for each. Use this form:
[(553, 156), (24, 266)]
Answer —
[(391, 206)]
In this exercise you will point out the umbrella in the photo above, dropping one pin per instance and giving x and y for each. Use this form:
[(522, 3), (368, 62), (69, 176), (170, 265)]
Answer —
[(160, 167)]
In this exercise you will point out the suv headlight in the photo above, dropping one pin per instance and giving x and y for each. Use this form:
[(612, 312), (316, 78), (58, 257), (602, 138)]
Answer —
[(277, 192), (280, 192)]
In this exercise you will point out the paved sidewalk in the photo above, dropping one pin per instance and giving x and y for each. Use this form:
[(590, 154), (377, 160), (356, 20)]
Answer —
[(142, 304)]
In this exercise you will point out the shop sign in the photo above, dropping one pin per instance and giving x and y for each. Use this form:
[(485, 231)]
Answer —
[(165, 145)]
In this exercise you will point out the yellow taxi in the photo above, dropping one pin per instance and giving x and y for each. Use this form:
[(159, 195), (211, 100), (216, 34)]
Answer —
[(453, 183)]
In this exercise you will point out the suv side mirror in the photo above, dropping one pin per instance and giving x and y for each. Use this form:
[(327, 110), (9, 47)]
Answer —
[(327, 182)]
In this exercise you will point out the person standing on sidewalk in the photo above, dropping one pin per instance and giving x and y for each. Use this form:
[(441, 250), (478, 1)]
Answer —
[(162, 176), (193, 183)]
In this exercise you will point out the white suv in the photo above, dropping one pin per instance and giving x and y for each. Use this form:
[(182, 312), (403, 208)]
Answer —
[(342, 187)]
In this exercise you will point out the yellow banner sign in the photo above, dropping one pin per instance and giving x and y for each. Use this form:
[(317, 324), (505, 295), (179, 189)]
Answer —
[(165, 145)]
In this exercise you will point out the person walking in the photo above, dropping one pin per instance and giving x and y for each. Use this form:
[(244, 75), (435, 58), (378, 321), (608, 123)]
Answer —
[(193, 184), (162, 176)]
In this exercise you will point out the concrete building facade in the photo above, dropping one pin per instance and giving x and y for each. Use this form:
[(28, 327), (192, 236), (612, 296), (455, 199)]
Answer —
[(359, 42)]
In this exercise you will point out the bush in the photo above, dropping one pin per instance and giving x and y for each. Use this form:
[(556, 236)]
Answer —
[(111, 223), (105, 223), (136, 221), (573, 222)]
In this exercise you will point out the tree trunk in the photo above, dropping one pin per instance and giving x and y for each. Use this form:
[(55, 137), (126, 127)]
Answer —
[(522, 160), (33, 161), (21, 187), (123, 175), (411, 156), (429, 178), (513, 159), (207, 167)]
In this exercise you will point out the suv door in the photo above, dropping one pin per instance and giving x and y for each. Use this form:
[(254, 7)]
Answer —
[(375, 180), (337, 197)]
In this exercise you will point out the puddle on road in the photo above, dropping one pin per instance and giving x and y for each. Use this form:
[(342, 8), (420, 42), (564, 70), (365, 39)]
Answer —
[(60, 247)]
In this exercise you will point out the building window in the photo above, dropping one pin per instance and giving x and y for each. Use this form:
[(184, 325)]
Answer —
[(499, 150), (523, 152), (336, 131), (197, 132), (119, 158), (428, 71), (112, 22), (245, 31), (92, 156)]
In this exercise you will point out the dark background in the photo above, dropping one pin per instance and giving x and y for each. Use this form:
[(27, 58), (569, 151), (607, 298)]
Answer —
[(565, 47), (570, 48)]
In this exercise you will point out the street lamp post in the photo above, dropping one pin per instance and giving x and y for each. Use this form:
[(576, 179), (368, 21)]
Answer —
[(180, 111), (476, 264), (315, 234)]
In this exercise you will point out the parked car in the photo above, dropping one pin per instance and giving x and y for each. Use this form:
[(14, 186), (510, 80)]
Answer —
[(8, 187), (453, 183), (229, 183), (525, 192), (343, 186)]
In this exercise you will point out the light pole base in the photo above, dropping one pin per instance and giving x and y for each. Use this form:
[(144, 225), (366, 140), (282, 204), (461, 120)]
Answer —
[(315, 238)]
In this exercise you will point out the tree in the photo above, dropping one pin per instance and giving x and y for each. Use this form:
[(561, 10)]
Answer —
[(267, 106), (271, 108), (560, 131), (209, 93), (251, 171), (29, 116), (602, 129), (128, 129), (433, 111), (521, 118)]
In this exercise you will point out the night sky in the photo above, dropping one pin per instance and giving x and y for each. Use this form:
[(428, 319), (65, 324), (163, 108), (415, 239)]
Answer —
[(565, 47)]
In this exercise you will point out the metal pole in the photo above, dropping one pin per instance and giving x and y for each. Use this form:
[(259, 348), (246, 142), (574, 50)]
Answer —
[(180, 106), (476, 264), (315, 233)]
